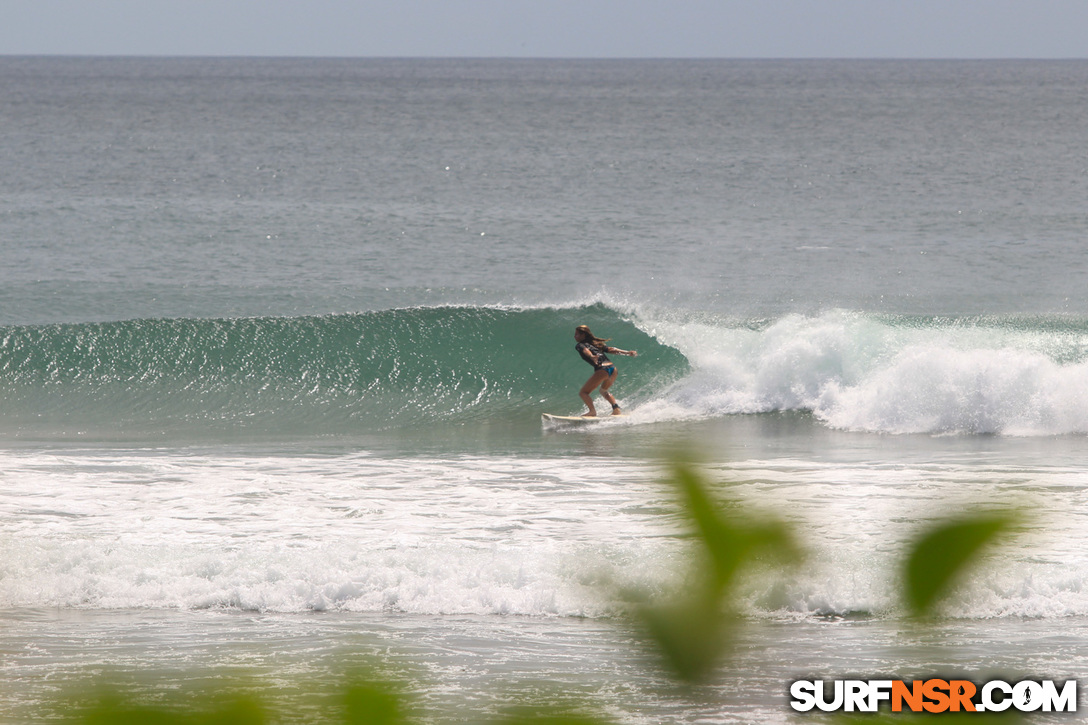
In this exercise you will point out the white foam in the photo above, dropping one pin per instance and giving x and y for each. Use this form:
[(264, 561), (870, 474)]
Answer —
[(858, 372), (293, 534), (528, 536)]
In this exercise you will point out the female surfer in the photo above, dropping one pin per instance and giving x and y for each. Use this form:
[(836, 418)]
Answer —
[(593, 349)]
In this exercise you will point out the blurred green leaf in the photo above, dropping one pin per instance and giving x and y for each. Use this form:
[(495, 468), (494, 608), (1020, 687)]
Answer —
[(690, 636), (115, 712), (729, 542), (113, 709), (372, 703), (940, 556), (692, 632), (242, 711)]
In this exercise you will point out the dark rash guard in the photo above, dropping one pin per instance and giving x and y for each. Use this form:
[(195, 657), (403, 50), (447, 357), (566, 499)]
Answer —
[(593, 355)]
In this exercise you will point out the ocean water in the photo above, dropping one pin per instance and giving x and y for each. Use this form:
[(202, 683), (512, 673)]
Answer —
[(276, 335)]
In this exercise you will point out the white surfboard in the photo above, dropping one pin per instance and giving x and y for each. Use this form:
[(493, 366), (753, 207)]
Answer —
[(575, 419)]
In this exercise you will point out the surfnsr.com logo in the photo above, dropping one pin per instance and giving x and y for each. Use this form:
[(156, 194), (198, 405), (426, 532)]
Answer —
[(933, 695)]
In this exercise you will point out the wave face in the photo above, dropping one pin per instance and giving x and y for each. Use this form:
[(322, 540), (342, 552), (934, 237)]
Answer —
[(396, 369), (863, 372), (310, 375)]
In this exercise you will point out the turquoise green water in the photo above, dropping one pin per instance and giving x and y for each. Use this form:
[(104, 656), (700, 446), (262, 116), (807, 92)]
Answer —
[(304, 376)]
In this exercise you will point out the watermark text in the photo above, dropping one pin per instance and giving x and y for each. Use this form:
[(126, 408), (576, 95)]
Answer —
[(933, 695)]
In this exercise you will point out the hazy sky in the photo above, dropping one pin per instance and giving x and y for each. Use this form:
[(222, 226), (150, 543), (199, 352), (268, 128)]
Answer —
[(550, 28)]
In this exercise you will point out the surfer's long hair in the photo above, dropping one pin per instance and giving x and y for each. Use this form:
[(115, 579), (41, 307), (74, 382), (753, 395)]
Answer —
[(592, 339)]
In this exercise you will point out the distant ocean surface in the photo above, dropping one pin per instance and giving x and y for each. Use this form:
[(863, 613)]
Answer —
[(276, 335)]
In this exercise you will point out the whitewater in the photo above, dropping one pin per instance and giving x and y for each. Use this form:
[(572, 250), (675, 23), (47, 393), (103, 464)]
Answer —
[(276, 336)]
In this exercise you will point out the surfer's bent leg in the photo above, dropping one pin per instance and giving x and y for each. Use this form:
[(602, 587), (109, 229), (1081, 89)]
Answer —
[(595, 379), (607, 395)]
